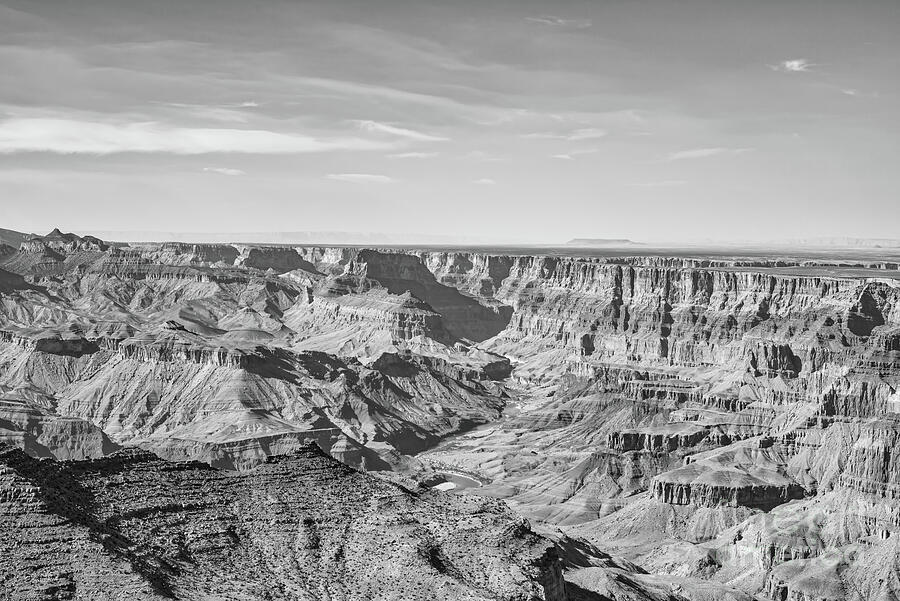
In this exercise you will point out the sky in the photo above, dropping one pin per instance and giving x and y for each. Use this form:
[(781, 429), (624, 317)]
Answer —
[(506, 120)]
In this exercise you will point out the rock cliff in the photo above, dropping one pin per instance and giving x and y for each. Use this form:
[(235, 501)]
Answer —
[(726, 423)]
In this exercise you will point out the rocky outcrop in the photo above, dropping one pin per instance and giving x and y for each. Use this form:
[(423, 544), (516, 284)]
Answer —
[(173, 351), (179, 253), (299, 526), (41, 433), (407, 365), (709, 417), (745, 476), (333, 308), (61, 243), (664, 438), (463, 316), (872, 465), (234, 406), (673, 311), (279, 259), (477, 274)]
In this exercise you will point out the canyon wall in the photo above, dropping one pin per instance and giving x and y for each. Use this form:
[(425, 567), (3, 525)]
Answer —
[(727, 424)]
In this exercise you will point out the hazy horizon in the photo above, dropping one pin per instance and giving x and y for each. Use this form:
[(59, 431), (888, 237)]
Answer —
[(867, 246), (514, 121)]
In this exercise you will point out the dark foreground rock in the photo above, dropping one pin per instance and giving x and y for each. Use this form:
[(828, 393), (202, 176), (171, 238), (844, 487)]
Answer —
[(132, 526)]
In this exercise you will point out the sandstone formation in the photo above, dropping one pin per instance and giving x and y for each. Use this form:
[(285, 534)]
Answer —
[(26, 423), (206, 354), (723, 425), (731, 390)]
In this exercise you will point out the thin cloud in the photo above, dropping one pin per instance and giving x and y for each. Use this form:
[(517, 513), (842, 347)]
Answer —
[(855, 93), (226, 113), (584, 133), (574, 153), (587, 133), (224, 171), (413, 155), (560, 22), (70, 136), (702, 153), (361, 178), (794, 65), (400, 96), (484, 181), (402, 132)]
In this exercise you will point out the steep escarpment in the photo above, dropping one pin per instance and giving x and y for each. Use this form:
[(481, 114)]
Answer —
[(279, 259), (179, 253), (177, 395), (713, 394), (463, 316), (27, 422), (724, 424), (740, 477), (204, 352)]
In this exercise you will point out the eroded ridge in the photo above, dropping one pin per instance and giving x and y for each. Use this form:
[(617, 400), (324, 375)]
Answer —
[(301, 526), (722, 426)]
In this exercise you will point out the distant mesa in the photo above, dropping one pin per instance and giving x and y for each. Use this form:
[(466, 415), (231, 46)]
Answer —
[(602, 242)]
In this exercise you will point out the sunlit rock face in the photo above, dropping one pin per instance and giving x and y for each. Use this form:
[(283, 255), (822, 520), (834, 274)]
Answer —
[(229, 355), (729, 391), (28, 424), (724, 427)]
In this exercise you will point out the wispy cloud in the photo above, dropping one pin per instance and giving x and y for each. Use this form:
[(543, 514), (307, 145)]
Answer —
[(855, 93), (72, 136), (560, 22), (394, 95), (231, 113), (570, 156), (794, 65), (584, 133), (413, 155), (485, 181), (702, 153), (666, 183), (402, 132), (361, 178), (224, 171), (587, 133)]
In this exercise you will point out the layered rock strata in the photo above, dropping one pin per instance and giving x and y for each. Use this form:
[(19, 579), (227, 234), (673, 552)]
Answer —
[(302, 526), (722, 418)]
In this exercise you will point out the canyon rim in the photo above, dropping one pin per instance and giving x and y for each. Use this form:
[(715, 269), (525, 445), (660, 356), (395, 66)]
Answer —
[(482, 301)]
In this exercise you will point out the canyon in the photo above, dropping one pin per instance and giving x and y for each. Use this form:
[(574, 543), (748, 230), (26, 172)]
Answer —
[(247, 421)]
